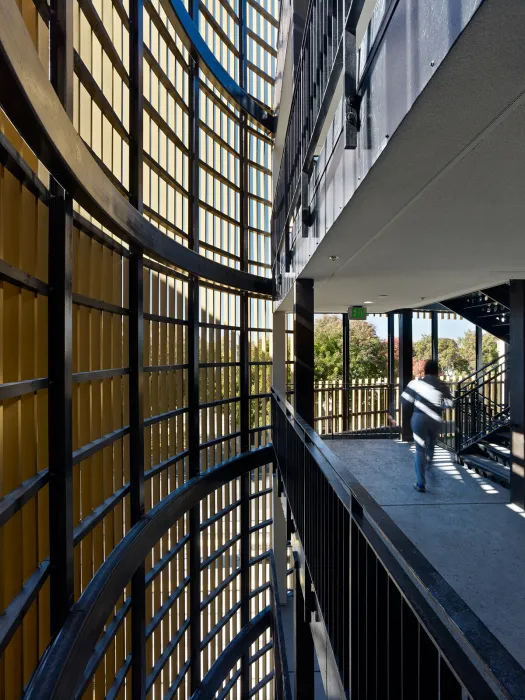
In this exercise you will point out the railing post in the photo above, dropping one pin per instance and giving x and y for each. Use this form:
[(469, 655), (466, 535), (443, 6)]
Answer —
[(60, 335)]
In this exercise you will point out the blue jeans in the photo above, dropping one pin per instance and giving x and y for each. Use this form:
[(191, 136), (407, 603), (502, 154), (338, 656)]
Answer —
[(425, 431)]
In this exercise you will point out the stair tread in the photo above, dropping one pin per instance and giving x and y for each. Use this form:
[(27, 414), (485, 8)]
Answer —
[(488, 465), (495, 447)]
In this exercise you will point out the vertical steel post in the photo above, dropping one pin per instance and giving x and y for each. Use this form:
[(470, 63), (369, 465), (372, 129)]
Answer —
[(193, 371), (304, 349), (60, 334), (244, 357), (479, 348), (136, 345), (434, 334), (346, 370), (405, 366), (517, 390), (136, 445), (194, 468), (391, 365)]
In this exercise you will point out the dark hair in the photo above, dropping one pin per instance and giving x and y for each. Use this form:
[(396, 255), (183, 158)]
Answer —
[(431, 367)]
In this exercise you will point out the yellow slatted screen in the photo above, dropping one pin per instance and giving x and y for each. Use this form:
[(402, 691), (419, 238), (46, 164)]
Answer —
[(229, 202)]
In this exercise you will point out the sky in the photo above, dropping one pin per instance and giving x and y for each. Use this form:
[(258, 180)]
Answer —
[(420, 327)]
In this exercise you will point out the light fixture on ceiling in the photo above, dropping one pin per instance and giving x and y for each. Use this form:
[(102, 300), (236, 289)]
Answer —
[(382, 296), (333, 258), (368, 302)]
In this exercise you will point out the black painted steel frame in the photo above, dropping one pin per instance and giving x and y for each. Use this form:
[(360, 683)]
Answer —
[(47, 128), (61, 670), (36, 111), (395, 627), (328, 48)]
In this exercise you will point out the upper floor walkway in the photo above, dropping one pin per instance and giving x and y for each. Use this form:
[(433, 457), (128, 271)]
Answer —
[(464, 525), (412, 149)]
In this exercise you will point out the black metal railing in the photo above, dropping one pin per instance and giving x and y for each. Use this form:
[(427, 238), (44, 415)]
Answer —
[(328, 47), (481, 406), (388, 614)]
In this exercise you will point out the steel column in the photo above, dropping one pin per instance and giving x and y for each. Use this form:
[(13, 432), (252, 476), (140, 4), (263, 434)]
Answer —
[(304, 349), (245, 489), (405, 365), (479, 348), (244, 358), (136, 445), (516, 374), (193, 370), (136, 55), (279, 351), (391, 367), (136, 344), (194, 469), (346, 369), (60, 335), (434, 334)]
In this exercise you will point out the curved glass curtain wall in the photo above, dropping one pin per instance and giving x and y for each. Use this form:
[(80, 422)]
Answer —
[(209, 191)]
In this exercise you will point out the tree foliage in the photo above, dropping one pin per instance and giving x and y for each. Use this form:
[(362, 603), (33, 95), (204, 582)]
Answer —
[(467, 347), (328, 348), (369, 354)]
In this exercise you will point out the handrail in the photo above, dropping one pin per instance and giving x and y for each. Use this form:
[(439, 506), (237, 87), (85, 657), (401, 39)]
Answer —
[(30, 102), (61, 669), (480, 656), (495, 362)]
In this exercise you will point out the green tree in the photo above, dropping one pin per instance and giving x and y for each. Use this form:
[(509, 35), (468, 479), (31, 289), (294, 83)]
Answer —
[(328, 348), (368, 353), (451, 360), (467, 349)]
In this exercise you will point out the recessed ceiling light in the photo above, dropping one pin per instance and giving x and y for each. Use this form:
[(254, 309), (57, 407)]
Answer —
[(368, 302), (333, 258), (382, 296)]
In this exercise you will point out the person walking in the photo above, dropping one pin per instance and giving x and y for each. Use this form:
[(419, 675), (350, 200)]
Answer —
[(426, 397)]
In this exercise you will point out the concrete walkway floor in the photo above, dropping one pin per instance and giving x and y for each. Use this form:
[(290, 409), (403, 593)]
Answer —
[(464, 525)]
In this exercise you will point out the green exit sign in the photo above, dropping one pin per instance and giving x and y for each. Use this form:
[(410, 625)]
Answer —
[(357, 313)]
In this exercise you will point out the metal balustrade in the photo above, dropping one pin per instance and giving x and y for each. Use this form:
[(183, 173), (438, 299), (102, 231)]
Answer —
[(395, 627), (481, 406), (328, 47)]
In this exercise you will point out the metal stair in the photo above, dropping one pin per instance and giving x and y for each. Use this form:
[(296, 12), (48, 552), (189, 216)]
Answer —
[(488, 308), (480, 429)]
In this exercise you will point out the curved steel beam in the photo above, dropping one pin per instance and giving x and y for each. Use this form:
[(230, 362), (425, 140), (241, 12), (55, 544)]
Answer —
[(30, 102), (249, 634), (61, 670), (199, 49)]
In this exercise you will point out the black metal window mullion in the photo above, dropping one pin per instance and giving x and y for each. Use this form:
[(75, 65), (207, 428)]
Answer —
[(136, 343), (193, 371), (244, 357), (60, 335)]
